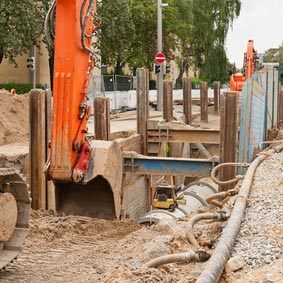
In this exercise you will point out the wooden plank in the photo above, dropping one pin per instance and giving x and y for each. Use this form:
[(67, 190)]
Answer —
[(228, 136), (187, 98), (37, 148), (142, 105), (204, 102), (102, 118), (168, 101), (280, 106), (51, 204), (216, 89)]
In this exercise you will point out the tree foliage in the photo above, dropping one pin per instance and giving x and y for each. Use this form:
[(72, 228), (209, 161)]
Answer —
[(21, 26), (117, 33), (194, 32), (271, 55), (196, 29)]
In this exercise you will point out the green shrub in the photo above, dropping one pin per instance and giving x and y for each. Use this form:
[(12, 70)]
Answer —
[(19, 87), (195, 83)]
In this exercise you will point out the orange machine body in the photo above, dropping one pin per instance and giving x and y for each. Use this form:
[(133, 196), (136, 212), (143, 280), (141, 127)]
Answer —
[(250, 62), (72, 69)]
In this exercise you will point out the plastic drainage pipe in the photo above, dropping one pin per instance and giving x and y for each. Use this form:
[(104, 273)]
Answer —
[(214, 267), (198, 256)]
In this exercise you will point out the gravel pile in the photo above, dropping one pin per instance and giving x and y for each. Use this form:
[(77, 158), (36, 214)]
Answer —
[(260, 241)]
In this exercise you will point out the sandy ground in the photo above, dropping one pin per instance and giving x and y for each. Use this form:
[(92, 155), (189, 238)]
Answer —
[(14, 118)]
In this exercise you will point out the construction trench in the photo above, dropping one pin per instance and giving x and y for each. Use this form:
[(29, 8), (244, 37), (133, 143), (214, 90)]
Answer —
[(190, 244)]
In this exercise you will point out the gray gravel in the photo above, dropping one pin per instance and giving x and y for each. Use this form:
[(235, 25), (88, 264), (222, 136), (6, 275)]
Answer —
[(260, 241)]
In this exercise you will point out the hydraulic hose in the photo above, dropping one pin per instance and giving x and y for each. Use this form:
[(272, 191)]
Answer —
[(214, 267), (198, 256), (203, 216), (84, 23), (212, 199), (232, 181), (270, 142), (48, 18)]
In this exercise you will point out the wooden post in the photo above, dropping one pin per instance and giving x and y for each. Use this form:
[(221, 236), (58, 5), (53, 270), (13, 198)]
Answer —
[(142, 105), (187, 100), (216, 97), (204, 102), (37, 146), (280, 103), (229, 122), (168, 101), (50, 188), (102, 118)]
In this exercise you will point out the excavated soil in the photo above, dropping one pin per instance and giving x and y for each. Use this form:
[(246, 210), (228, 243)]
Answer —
[(80, 249), (14, 118)]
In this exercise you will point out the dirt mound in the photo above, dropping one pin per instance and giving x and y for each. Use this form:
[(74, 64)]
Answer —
[(54, 226), (14, 118)]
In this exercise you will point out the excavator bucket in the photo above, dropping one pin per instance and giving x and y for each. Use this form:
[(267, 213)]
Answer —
[(99, 194)]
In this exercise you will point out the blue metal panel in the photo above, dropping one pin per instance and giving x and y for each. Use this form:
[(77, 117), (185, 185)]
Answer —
[(245, 119), (275, 96), (168, 166), (252, 120), (257, 131), (268, 79)]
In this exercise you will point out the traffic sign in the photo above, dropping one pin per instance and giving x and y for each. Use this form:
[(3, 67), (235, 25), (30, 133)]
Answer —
[(159, 57)]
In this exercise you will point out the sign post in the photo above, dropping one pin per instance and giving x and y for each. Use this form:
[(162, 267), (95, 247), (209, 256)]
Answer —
[(160, 5)]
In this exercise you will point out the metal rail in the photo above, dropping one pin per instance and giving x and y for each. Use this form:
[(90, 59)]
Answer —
[(143, 165), (192, 135)]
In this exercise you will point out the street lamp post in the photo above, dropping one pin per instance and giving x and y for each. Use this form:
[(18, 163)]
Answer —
[(160, 5)]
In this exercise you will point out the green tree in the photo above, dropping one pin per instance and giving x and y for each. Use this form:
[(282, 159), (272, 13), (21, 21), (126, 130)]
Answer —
[(21, 25), (218, 17), (196, 29), (117, 33), (201, 33), (271, 55), (129, 32)]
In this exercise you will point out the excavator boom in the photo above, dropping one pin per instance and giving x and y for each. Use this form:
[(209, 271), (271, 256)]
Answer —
[(73, 64), (87, 174), (250, 63)]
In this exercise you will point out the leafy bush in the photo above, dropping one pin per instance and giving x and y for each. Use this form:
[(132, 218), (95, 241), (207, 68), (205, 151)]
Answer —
[(19, 87), (196, 83)]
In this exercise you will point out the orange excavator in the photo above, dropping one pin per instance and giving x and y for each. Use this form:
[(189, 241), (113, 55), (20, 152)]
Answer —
[(250, 64), (86, 172)]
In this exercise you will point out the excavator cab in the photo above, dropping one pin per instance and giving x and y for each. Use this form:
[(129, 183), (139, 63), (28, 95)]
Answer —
[(165, 197)]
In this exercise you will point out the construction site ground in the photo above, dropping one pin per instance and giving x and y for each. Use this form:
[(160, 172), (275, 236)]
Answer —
[(63, 248)]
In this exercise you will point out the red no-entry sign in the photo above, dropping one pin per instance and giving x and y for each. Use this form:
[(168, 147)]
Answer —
[(159, 57)]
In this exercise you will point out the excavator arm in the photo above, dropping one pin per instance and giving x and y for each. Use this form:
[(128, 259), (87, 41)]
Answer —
[(87, 174), (73, 65), (250, 63)]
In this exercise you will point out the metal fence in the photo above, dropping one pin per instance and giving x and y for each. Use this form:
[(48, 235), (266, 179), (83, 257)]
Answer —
[(103, 83), (259, 112)]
